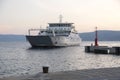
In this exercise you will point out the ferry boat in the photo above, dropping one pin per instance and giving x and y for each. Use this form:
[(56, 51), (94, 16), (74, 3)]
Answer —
[(55, 35)]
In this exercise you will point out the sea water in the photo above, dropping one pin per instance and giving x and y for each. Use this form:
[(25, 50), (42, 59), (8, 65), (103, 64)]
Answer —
[(18, 58)]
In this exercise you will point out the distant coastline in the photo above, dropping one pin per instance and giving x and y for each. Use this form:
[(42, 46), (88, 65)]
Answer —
[(11, 37), (103, 35)]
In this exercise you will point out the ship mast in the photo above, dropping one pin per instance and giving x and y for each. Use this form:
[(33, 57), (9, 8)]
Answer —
[(60, 18)]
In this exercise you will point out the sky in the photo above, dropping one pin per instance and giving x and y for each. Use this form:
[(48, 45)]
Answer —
[(17, 16)]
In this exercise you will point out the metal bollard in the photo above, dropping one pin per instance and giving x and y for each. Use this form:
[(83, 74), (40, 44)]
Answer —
[(45, 69)]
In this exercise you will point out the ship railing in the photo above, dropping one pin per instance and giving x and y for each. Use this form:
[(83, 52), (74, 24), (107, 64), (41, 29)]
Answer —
[(46, 32), (40, 30)]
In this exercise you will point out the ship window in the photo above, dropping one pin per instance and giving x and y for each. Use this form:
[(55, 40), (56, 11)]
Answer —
[(66, 25), (52, 25), (69, 24)]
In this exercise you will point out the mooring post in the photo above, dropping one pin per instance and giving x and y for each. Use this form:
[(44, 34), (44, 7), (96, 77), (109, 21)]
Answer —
[(45, 69)]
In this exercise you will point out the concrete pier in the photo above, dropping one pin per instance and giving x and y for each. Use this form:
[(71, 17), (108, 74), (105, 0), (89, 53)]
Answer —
[(102, 50)]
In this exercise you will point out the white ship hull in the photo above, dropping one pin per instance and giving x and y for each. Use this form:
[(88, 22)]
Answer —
[(52, 41)]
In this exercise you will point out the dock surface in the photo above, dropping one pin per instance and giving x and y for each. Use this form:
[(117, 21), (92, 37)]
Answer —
[(93, 74), (88, 74)]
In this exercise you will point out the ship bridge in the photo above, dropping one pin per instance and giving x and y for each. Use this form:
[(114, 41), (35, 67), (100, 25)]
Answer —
[(60, 26)]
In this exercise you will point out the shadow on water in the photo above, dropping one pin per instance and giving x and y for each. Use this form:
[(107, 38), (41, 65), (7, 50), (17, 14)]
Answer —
[(44, 48)]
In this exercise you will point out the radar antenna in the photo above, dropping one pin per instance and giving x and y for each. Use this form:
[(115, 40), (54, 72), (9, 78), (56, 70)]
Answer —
[(60, 18)]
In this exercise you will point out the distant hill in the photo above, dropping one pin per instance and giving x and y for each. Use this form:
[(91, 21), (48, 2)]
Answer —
[(103, 35), (8, 38)]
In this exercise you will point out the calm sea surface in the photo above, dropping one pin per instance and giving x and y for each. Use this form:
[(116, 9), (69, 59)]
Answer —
[(17, 58)]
